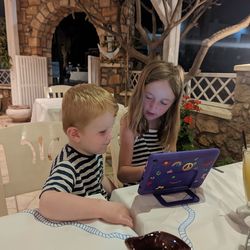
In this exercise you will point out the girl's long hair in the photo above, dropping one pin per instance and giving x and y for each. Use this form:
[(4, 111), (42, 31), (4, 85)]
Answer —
[(170, 121)]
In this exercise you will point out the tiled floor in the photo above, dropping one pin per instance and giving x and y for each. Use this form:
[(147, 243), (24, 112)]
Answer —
[(29, 200)]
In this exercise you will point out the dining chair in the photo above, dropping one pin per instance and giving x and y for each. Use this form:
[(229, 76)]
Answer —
[(29, 149), (55, 91), (113, 149)]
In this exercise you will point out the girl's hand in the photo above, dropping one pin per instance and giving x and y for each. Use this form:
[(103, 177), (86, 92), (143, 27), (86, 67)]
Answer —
[(108, 184)]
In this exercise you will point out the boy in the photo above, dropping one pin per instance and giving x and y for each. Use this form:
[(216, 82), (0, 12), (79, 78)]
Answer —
[(88, 114)]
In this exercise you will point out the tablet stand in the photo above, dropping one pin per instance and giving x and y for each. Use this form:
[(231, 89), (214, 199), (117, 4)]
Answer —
[(192, 199)]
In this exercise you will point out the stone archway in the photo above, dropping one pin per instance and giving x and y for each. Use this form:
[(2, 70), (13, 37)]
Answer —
[(38, 19), (43, 27), (37, 25), (71, 47)]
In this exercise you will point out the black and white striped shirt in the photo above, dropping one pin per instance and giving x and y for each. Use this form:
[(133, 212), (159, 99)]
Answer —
[(75, 173), (145, 145)]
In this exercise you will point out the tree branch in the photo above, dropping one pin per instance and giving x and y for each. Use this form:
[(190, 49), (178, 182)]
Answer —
[(207, 43), (196, 16), (193, 22), (138, 25)]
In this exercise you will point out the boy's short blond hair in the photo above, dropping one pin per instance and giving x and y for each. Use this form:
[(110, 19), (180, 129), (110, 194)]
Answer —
[(84, 102)]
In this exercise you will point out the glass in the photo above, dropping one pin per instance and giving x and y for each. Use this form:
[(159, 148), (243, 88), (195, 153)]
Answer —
[(246, 173), (244, 210), (247, 244)]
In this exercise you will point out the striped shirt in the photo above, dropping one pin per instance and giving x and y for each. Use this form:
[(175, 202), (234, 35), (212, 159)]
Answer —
[(76, 173), (145, 145)]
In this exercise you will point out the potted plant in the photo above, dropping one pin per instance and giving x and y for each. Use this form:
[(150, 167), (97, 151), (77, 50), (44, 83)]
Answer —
[(19, 113), (186, 134)]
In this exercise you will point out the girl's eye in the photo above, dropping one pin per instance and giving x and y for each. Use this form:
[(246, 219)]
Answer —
[(164, 103), (149, 97)]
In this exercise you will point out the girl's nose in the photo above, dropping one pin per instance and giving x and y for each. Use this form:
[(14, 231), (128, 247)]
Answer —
[(153, 106)]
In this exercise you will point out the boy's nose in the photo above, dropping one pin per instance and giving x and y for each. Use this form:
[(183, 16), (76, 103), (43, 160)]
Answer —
[(109, 136)]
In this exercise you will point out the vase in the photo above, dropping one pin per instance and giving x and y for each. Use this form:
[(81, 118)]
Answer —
[(19, 113)]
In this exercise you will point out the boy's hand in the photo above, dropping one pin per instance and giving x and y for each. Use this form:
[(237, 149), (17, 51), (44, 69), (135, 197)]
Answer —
[(116, 213)]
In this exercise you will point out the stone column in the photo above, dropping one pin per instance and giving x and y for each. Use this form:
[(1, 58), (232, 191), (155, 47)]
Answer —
[(13, 40), (241, 108), (226, 134)]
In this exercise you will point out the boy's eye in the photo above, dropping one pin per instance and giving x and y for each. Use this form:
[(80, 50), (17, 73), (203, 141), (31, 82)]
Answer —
[(102, 132)]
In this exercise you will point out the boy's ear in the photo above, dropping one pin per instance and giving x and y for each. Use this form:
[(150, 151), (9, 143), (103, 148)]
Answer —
[(73, 133)]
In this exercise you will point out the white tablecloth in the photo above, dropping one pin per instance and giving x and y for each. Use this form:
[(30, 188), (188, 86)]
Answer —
[(46, 109), (28, 230), (208, 225)]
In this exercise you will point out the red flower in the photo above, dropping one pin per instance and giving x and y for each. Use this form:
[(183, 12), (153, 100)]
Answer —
[(186, 134), (188, 119), (197, 108), (188, 106), (197, 101)]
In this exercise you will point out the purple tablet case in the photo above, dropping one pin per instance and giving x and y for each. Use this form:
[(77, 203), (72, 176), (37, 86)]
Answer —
[(173, 172)]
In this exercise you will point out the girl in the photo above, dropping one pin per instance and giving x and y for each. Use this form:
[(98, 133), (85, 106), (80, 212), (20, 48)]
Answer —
[(153, 119)]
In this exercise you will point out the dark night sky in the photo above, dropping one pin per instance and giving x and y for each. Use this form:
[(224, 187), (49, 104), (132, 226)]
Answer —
[(226, 53), (1, 8), (232, 11)]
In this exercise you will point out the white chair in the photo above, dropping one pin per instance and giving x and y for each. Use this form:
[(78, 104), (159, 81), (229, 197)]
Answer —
[(114, 146), (29, 149), (55, 91)]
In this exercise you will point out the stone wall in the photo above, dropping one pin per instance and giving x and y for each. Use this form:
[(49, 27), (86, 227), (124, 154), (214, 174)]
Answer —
[(5, 97), (225, 134)]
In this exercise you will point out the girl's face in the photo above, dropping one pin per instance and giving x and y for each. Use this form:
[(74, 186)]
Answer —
[(158, 97), (95, 137)]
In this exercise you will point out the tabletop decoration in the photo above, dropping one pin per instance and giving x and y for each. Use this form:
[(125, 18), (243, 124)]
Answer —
[(157, 240)]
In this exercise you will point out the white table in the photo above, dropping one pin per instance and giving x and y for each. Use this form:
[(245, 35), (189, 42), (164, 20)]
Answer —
[(208, 225), (28, 230), (46, 109)]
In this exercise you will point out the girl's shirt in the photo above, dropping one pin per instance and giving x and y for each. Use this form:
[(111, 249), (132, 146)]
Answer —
[(145, 145), (75, 173)]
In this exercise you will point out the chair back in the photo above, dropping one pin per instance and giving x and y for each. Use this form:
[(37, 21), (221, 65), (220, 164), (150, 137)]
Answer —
[(114, 146), (55, 91), (29, 149)]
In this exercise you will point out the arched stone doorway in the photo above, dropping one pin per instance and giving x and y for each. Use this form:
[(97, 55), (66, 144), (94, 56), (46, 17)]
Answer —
[(38, 32), (31, 43), (74, 39)]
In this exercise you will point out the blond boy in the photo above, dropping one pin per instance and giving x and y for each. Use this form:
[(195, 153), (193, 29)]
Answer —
[(88, 114)]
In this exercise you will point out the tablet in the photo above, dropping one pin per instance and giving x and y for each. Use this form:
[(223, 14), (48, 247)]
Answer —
[(177, 172)]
